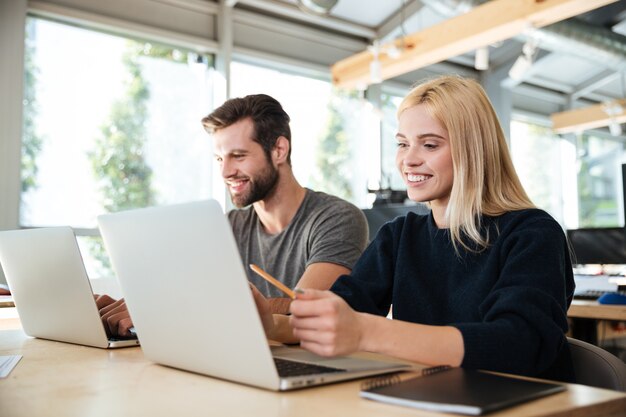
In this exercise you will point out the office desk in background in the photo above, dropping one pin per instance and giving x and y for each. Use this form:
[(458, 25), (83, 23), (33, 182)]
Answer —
[(585, 315), (586, 309), (56, 378)]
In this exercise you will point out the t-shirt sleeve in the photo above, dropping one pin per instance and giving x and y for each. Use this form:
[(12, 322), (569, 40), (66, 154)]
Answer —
[(524, 317), (338, 235)]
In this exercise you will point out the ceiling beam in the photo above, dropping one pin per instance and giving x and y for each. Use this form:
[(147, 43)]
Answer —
[(396, 20), (292, 11), (594, 83), (599, 115), (488, 23)]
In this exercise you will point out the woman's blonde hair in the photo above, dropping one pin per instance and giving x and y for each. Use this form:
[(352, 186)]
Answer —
[(485, 181)]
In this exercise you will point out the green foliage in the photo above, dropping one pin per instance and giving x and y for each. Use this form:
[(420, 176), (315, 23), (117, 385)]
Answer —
[(333, 155), (31, 142), (159, 51), (595, 209), (118, 159), (538, 164), (587, 205)]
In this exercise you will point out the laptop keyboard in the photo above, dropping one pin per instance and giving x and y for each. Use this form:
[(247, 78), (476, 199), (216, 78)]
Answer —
[(288, 368)]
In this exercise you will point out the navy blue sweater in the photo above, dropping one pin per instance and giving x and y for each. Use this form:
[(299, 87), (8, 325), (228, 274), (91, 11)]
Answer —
[(509, 301)]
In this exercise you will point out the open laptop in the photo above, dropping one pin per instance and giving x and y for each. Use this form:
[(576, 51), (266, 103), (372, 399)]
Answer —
[(50, 287), (181, 275)]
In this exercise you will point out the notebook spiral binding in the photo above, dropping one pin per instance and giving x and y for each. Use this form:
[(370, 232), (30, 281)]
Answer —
[(381, 381), (435, 369), (387, 380)]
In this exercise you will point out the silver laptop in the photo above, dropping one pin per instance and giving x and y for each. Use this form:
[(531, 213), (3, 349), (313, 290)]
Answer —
[(50, 287), (181, 275)]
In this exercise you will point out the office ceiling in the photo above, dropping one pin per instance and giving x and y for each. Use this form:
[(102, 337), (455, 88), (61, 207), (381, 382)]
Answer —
[(578, 62)]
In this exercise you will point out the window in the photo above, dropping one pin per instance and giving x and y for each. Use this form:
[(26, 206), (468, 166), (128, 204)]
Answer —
[(110, 123), (599, 181), (117, 122), (578, 181), (391, 178), (537, 155), (332, 133)]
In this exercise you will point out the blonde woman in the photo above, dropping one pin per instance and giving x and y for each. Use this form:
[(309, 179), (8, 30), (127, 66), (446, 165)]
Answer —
[(484, 281)]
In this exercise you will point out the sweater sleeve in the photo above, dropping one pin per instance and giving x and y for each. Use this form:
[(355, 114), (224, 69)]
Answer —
[(524, 317), (369, 287)]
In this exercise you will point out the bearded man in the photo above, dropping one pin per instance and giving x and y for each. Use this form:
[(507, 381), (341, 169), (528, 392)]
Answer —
[(304, 238)]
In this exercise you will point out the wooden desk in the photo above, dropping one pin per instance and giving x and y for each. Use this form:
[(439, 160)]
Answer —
[(6, 301), (593, 310), (585, 315), (59, 379)]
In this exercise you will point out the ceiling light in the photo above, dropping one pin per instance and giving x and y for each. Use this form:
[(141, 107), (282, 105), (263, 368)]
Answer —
[(318, 7), (520, 67), (376, 76), (524, 61), (615, 129), (613, 109), (481, 58), (394, 51)]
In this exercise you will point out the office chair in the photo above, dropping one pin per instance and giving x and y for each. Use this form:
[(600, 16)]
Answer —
[(596, 367)]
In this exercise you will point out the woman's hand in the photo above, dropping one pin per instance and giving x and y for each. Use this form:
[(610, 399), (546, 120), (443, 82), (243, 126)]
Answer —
[(325, 323)]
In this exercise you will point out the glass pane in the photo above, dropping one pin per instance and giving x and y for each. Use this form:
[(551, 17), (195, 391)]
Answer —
[(390, 176), (330, 131), (536, 155), (110, 123), (599, 182)]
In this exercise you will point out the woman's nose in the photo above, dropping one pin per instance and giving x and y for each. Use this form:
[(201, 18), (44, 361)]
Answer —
[(413, 157)]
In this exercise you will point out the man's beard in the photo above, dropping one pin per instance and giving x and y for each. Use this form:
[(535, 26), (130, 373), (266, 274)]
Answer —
[(260, 187)]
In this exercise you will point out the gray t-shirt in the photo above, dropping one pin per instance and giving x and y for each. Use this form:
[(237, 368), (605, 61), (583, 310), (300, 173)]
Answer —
[(324, 229)]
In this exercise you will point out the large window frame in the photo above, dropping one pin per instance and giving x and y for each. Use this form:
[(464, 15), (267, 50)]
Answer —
[(113, 127), (88, 236)]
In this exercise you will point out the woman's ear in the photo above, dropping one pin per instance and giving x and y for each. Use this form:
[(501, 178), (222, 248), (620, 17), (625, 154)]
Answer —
[(281, 150)]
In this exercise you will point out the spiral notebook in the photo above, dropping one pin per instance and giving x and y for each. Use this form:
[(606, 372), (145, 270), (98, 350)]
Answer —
[(456, 390)]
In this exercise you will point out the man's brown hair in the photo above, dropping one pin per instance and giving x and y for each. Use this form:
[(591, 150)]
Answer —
[(268, 117)]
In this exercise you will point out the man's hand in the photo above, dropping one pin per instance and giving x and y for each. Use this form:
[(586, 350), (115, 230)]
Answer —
[(325, 323), (279, 305), (265, 311), (114, 315), (4, 290)]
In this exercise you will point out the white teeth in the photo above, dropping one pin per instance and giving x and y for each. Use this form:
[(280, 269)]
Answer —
[(234, 183), (417, 178)]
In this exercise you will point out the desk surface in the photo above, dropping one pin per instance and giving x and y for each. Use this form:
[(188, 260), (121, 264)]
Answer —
[(593, 310), (6, 301), (56, 378)]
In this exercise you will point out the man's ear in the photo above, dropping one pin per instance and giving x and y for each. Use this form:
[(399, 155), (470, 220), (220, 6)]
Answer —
[(281, 150)]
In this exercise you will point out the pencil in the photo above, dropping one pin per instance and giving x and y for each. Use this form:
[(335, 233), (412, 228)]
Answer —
[(273, 281)]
